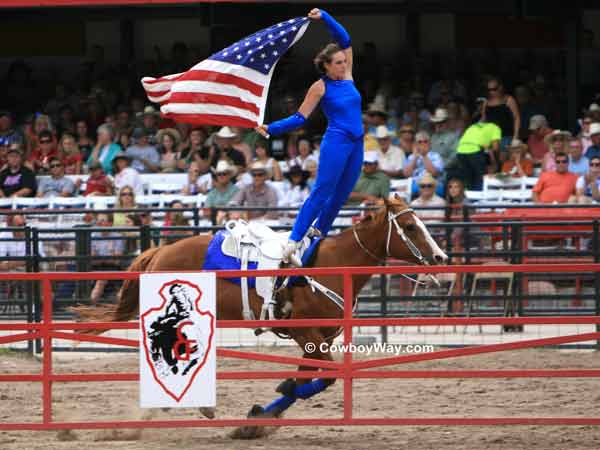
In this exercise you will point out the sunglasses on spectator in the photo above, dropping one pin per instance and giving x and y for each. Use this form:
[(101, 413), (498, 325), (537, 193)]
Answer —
[(594, 164), (126, 194), (562, 161), (423, 141), (259, 174), (45, 142), (222, 174), (52, 166), (492, 89), (426, 185)]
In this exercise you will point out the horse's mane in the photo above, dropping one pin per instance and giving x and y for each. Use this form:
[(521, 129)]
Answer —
[(376, 218)]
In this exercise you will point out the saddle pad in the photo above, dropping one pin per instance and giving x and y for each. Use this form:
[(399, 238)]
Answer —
[(215, 259)]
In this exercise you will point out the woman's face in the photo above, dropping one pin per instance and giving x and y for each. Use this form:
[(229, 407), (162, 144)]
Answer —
[(336, 69), (455, 189), (494, 89), (261, 152), (68, 145), (304, 148), (82, 128), (124, 140), (296, 179), (168, 142), (557, 144), (126, 197)]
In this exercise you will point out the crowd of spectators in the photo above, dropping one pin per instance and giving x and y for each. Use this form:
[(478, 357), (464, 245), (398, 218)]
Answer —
[(97, 135)]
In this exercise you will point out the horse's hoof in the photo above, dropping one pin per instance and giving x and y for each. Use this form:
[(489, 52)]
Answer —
[(252, 432), (287, 387), (208, 412), (256, 410)]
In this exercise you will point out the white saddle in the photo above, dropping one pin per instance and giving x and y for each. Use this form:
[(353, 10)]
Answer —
[(256, 242)]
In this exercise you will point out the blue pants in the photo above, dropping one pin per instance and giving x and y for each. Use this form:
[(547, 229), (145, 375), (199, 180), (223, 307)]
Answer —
[(340, 164)]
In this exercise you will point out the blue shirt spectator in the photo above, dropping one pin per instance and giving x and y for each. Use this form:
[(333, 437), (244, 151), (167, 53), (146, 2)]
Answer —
[(144, 157)]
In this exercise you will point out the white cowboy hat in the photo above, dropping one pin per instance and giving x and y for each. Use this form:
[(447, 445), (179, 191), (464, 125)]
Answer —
[(226, 132), (516, 144), (441, 115), (377, 108), (594, 128), (594, 107), (258, 166), (371, 157), (427, 178), (224, 166), (382, 132), (559, 133), (150, 111)]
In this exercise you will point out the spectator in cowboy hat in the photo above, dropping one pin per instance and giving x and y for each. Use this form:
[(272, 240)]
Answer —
[(517, 165), (373, 185), (257, 194), (443, 140), (594, 149), (391, 158), (557, 143), (539, 129), (427, 198), (124, 175), (224, 145), (223, 189), (150, 118), (297, 190)]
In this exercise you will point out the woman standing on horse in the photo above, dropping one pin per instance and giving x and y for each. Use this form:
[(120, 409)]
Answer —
[(341, 155)]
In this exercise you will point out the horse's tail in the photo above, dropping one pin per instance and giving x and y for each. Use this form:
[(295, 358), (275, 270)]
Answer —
[(127, 305)]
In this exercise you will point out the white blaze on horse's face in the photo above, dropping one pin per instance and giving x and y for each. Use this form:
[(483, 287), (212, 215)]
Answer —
[(437, 254)]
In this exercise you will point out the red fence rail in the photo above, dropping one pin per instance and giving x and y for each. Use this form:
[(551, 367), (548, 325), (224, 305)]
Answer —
[(347, 369)]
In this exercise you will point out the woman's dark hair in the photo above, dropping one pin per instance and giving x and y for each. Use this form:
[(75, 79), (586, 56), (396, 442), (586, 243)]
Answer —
[(325, 56)]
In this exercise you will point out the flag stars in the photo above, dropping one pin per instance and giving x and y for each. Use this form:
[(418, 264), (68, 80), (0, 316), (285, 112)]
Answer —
[(249, 52), (266, 66), (237, 49), (239, 57), (258, 39), (246, 44), (275, 53), (263, 55), (281, 32), (225, 53), (294, 28), (284, 40), (291, 21), (270, 36)]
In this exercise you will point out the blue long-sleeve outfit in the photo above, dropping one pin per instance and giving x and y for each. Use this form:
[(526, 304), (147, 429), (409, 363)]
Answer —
[(341, 156)]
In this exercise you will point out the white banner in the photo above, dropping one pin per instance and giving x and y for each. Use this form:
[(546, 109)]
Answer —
[(177, 340)]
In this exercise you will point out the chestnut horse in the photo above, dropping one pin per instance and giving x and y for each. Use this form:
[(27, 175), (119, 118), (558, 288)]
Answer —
[(393, 231)]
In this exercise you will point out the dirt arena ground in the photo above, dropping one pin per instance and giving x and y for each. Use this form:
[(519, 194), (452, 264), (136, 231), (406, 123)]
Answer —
[(400, 398)]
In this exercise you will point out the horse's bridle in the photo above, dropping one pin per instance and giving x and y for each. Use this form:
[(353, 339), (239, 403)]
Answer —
[(392, 218)]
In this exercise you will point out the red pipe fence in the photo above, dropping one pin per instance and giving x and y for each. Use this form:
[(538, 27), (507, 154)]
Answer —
[(347, 370)]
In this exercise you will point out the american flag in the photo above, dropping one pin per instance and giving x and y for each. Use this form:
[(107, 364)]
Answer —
[(231, 86)]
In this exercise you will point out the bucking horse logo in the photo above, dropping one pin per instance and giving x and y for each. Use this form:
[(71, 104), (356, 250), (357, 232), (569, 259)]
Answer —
[(177, 337)]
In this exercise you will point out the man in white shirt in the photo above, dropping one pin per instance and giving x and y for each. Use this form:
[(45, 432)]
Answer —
[(391, 158)]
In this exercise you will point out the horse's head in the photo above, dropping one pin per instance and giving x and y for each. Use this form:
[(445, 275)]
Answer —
[(407, 238)]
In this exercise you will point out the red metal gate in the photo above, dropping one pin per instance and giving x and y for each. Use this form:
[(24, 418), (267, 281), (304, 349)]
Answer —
[(347, 369)]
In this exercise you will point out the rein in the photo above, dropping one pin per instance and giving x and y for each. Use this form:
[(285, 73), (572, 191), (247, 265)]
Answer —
[(393, 219)]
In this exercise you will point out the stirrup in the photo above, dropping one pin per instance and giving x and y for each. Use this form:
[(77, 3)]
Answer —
[(289, 253)]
